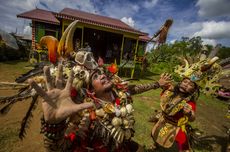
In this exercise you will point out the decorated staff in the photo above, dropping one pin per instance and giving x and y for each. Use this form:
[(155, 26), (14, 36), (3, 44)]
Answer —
[(161, 35)]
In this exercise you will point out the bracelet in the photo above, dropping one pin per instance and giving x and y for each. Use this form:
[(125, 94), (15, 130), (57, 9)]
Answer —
[(53, 131)]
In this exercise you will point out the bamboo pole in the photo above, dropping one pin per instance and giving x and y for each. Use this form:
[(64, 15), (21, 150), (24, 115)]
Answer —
[(12, 85)]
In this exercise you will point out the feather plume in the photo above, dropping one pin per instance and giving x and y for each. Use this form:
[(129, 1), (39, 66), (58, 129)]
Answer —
[(225, 62), (29, 74), (23, 89), (28, 117), (14, 98), (10, 101), (6, 109)]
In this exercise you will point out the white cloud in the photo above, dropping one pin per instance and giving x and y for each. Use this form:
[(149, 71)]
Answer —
[(58, 5), (182, 28), (211, 8), (128, 20), (119, 10), (209, 41), (214, 30), (179, 28), (149, 47), (9, 10), (23, 5), (211, 32), (172, 41), (27, 30), (149, 3)]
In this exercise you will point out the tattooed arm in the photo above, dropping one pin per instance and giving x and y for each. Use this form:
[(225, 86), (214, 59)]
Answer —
[(164, 80), (137, 89)]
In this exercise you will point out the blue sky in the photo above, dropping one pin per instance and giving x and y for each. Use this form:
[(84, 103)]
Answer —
[(209, 19)]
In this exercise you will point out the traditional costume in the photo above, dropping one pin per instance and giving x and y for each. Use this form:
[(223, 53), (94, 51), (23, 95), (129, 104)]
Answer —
[(107, 127), (172, 121)]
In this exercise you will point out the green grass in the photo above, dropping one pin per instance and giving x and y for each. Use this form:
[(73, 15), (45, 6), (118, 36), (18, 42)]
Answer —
[(212, 101), (9, 133), (8, 137), (12, 69), (144, 105)]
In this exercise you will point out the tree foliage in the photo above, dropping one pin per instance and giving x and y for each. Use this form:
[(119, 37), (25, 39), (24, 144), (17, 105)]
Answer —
[(166, 57), (224, 52), (7, 53)]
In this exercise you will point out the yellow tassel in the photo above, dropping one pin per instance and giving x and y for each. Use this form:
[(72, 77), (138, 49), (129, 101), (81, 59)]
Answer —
[(181, 123)]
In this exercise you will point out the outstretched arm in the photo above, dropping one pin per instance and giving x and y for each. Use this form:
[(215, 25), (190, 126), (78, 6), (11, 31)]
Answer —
[(137, 89), (57, 106), (164, 81)]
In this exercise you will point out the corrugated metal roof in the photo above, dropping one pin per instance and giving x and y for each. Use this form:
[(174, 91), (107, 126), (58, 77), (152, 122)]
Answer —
[(40, 15), (98, 20)]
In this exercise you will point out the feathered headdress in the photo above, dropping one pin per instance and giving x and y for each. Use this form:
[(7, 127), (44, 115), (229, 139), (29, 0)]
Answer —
[(205, 73)]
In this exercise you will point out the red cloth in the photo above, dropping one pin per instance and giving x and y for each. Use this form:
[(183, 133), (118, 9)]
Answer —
[(97, 145), (182, 141), (181, 138)]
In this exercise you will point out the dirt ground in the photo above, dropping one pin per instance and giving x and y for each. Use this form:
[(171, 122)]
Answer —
[(213, 123), (10, 129), (10, 123), (210, 119)]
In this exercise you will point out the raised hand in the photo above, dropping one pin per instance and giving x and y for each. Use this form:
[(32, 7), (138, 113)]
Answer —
[(57, 104), (187, 109), (165, 80)]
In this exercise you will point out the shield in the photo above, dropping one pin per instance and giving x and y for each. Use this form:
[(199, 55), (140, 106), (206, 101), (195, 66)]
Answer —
[(8, 39)]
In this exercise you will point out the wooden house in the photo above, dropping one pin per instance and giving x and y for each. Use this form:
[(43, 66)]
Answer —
[(108, 38)]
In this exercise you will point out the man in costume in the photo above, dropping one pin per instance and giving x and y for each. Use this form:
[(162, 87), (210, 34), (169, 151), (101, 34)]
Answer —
[(178, 102), (107, 122), (178, 107), (86, 106)]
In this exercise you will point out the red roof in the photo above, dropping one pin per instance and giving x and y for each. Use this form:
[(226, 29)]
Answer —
[(40, 15), (144, 38), (84, 17), (97, 20)]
